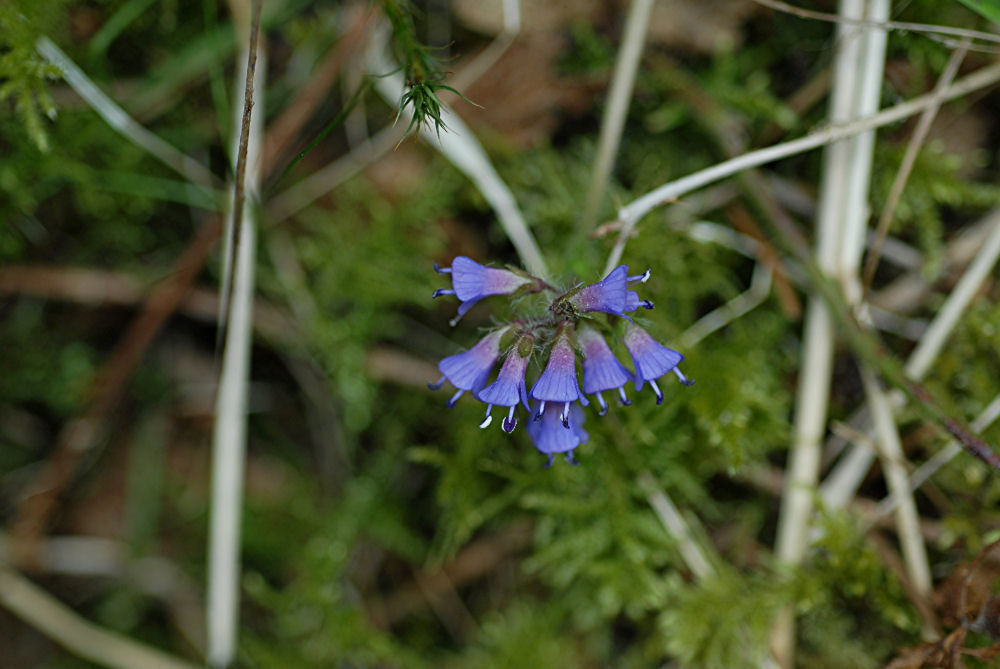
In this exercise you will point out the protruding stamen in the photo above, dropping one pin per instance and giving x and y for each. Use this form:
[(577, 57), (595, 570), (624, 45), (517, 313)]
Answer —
[(510, 422), (659, 393), (442, 291), (436, 386), (604, 405), (489, 419), (680, 375), (549, 463), (564, 416), (641, 278), (454, 398), (646, 304), (541, 410), (441, 270), (624, 400), (569, 459)]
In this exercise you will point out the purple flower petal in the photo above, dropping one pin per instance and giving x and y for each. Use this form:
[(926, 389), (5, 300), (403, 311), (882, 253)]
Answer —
[(473, 281), (601, 369), (633, 302), (558, 382), (607, 295), (650, 358), (611, 295), (470, 369), (550, 436), (509, 387)]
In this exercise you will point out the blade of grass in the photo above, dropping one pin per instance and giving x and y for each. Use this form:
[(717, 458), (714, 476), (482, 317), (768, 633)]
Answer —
[(79, 636), (460, 146), (118, 119), (630, 215), (988, 8), (114, 26), (840, 223), (842, 483), (229, 435), (616, 110)]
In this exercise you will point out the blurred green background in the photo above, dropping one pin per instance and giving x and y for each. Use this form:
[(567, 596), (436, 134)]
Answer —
[(381, 529)]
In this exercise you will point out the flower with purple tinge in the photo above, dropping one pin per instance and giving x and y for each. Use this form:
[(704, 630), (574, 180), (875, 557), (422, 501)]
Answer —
[(509, 388), (601, 369), (651, 359), (558, 382), (470, 369), (633, 302), (611, 294), (550, 436), (472, 282)]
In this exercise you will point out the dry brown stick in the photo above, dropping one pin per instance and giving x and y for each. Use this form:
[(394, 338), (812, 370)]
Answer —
[(800, 102), (474, 561), (94, 287), (39, 503), (768, 256), (234, 232), (79, 434)]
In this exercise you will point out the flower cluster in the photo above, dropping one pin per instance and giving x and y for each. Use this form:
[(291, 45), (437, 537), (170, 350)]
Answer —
[(568, 330)]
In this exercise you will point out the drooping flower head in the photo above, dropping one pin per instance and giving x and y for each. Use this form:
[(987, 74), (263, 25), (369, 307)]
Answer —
[(651, 359), (601, 369), (472, 282), (468, 371), (610, 295), (509, 387), (551, 436), (558, 382), (570, 326)]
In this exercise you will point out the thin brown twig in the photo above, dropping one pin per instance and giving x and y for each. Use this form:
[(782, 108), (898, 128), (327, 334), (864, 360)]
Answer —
[(81, 433), (241, 168), (97, 288), (906, 166), (768, 256), (475, 560)]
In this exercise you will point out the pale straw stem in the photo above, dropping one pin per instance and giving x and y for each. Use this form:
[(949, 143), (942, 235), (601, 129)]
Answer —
[(619, 97), (630, 215)]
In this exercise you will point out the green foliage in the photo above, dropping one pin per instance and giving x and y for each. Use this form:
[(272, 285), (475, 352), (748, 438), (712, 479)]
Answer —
[(313, 621), (722, 622), (590, 51), (423, 77), (601, 581), (23, 73), (850, 572), (30, 373), (525, 634), (988, 8), (939, 184)]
